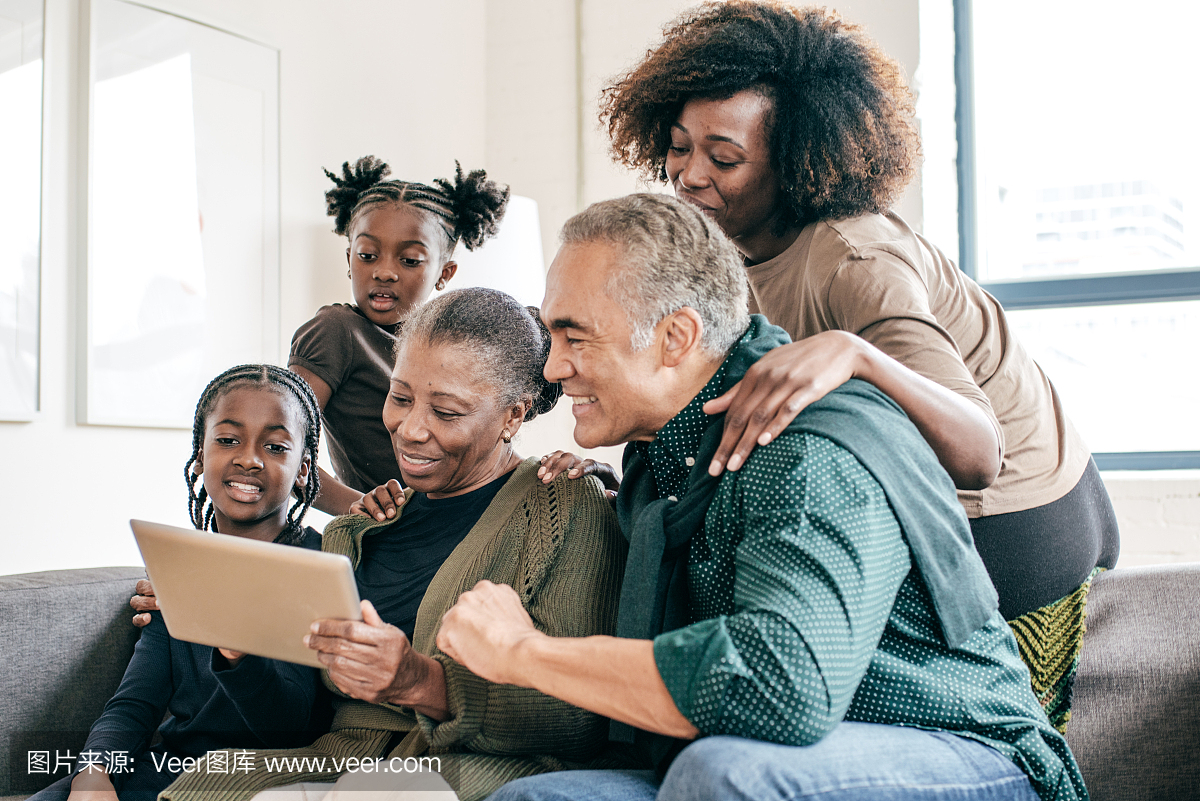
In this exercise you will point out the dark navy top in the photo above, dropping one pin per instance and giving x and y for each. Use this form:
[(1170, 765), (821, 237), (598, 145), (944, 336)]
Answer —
[(399, 562), (260, 703)]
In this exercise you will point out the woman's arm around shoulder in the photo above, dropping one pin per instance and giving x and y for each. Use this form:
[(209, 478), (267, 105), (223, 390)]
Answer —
[(886, 334)]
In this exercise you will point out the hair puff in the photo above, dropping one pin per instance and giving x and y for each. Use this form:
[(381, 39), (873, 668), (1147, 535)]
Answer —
[(478, 205), (341, 200)]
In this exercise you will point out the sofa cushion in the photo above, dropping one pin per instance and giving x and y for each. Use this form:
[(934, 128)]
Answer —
[(1135, 721), (67, 638)]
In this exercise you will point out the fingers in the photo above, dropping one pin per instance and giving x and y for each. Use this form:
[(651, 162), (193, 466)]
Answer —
[(141, 620), (380, 503), (738, 402), (770, 416), (353, 630), (495, 600), (143, 603), (721, 402), (232, 657), (370, 616), (555, 463), (776, 389), (797, 402), (338, 635), (143, 600)]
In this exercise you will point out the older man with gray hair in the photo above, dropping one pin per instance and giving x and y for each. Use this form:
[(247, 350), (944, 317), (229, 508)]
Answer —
[(817, 623)]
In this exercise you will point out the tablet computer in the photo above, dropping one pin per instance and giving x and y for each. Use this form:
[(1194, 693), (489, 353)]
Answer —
[(244, 595)]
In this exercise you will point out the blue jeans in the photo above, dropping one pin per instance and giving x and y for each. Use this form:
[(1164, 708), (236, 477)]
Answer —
[(855, 761)]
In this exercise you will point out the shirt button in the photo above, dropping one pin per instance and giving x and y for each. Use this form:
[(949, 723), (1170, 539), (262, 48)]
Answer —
[(690, 461), (672, 498)]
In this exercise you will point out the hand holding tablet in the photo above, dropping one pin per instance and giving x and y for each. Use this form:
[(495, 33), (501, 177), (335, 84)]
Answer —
[(243, 595)]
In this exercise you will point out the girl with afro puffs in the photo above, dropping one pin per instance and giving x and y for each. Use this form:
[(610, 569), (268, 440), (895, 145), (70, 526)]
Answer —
[(401, 237)]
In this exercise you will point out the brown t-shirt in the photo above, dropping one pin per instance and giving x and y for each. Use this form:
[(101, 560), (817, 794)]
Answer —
[(874, 276), (353, 356)]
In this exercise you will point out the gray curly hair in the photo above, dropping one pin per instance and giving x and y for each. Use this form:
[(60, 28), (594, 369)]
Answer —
[(509, 340), (675, 257)]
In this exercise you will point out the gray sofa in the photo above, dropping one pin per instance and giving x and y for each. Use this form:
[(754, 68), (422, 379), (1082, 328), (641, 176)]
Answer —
[(1135, 728)]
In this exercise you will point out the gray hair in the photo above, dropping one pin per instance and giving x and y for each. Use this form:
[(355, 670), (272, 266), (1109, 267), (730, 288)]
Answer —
[(508, 339), (675, 257)]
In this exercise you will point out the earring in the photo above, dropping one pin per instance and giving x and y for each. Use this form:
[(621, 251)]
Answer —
[(441, 284), (348, 273), (507, 437)]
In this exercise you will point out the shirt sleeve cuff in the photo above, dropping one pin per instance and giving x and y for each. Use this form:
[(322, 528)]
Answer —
[(697, 664)]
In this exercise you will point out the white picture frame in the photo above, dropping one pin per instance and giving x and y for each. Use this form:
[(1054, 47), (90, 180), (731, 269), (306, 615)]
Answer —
[(21, 82), (182, 221)]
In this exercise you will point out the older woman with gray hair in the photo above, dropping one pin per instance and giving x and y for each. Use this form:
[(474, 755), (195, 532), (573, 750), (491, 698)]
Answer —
[(468, 373)]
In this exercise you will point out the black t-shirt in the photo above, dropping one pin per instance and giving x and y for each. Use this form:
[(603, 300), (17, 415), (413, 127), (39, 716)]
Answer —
[(399, 562), (353, 356)]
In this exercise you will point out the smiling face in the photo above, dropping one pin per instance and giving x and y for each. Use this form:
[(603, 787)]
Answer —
[(614, 390), (397, 254), (252, 458), (446, 422), (720, 162)]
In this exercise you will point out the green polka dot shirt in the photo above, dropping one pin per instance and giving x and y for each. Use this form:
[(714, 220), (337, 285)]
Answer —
[(809, 611)]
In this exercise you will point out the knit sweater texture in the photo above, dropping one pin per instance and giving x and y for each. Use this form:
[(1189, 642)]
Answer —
[(559, 547)]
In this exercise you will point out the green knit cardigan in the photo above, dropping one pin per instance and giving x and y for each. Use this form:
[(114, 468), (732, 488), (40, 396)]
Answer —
[(559, 547)]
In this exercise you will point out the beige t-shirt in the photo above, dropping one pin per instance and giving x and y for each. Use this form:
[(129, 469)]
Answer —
[(874, 276)]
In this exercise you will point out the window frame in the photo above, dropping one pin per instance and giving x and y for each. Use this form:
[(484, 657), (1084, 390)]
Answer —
[(1100, 290)]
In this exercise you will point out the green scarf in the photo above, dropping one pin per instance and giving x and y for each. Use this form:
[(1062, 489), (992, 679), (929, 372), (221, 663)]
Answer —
[(856, 416)]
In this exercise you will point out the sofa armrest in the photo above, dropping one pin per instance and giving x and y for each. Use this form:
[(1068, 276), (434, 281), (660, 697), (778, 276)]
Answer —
[(67, 639), (1135, 718)]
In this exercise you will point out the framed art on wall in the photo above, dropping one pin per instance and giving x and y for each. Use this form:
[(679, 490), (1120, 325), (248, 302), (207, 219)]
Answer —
[(21, 23), (182, 224)]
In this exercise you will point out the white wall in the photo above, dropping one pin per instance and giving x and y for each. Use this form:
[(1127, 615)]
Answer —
[(1158, 513), (402, 79), (509, 85)]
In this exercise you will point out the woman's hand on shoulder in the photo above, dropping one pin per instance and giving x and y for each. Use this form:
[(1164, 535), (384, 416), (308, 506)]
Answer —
[(381, 503), (553, 464), (778, 387), (143, 602)]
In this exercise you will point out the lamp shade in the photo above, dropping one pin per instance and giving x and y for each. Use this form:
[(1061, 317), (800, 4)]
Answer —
[(511, 261)]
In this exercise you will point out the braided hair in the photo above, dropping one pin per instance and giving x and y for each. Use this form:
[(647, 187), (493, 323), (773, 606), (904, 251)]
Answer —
[(509, 340), (468, 209), (275, 379)]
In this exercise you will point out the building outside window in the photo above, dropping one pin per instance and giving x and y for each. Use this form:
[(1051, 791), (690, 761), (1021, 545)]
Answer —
[(1079, 207)]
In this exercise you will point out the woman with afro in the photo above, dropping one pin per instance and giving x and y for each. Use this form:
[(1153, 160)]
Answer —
[(795, 133)]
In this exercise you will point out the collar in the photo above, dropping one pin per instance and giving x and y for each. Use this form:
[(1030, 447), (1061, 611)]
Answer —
[(672, 452)]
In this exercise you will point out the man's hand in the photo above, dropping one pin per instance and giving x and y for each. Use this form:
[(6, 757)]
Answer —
[(484, 629), (144, 602), (381, 503)]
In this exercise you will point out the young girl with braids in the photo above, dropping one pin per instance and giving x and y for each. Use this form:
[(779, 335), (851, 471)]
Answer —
[(254, 445), (401, 238)]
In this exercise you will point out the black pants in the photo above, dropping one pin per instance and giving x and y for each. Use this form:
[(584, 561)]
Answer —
[(1036, 556)]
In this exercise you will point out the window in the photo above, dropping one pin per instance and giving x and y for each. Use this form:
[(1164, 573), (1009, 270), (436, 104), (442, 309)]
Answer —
[(1079, 207)]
